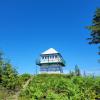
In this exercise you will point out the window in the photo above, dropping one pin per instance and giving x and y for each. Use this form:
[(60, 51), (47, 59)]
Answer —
[(56, 56), (50, 56), (53, 56), (46, 57), (43, 57)]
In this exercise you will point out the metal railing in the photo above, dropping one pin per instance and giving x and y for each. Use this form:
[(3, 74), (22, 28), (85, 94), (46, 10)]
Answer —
[(38, 61)]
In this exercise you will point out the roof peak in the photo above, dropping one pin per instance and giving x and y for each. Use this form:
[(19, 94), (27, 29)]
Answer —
[(50, 51)]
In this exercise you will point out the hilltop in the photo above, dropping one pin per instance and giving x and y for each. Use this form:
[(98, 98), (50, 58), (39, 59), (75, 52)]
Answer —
[(61, 87)]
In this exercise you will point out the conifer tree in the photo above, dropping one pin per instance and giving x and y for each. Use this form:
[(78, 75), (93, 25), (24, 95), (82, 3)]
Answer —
[(95, 29), (9, 77), (77, 71)]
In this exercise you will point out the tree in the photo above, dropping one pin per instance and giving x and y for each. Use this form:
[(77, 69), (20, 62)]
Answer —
[(77, 71), (0, 74), (1, 65), (95, 29), (9, 77)]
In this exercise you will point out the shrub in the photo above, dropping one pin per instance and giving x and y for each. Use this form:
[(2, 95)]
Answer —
[(61, 87)]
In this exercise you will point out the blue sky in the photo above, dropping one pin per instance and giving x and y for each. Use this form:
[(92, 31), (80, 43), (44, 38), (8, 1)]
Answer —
[(29, 27)]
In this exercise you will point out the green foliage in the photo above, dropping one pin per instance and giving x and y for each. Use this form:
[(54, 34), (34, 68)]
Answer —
[(0, 73), (95, 28), (62, 87), (47, 86), (1, 66), (24, 77), (9, 77), (9, 80), (77, 71), (3, 93)]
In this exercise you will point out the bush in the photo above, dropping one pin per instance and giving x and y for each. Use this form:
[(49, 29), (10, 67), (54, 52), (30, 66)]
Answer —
[(24, 77), (62, 87)]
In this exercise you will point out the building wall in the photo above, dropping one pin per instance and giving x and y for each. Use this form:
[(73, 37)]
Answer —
[(51, 69)]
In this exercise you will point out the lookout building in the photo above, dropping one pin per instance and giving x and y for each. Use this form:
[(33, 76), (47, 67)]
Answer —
[(51, 61)]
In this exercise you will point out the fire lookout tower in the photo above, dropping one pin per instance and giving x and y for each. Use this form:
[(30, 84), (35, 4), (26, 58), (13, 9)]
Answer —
[(51, 61)]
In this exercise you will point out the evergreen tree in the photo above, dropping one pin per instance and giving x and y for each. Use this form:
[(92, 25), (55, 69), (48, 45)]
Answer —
[(77, 71), (95, 29), (0, 73), (9, 77), (84, 73), (1, 65)]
